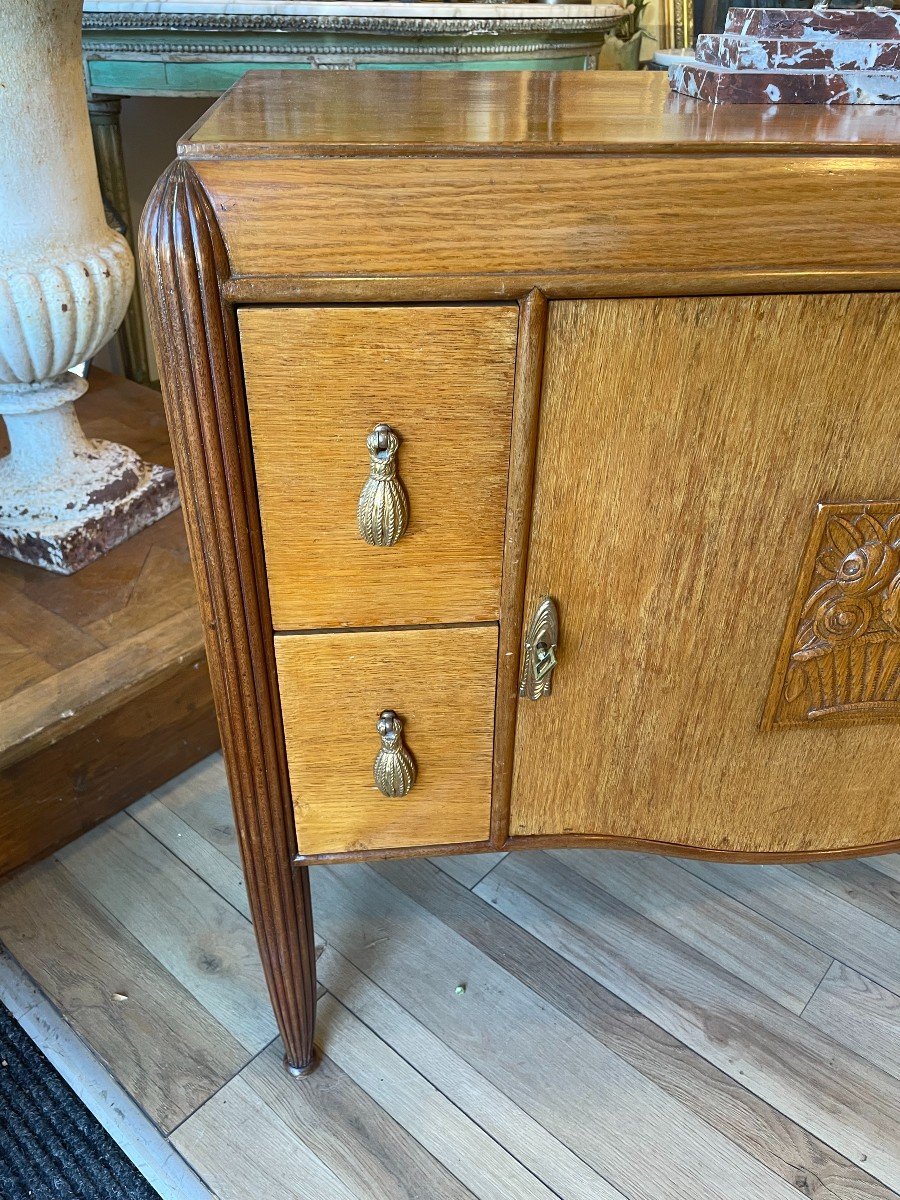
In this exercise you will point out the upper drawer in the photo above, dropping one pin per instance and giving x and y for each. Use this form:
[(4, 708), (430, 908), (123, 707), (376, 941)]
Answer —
[(318, 381)]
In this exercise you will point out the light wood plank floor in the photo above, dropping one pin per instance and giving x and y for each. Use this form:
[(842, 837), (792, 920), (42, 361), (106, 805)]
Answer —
[(581, 1025)]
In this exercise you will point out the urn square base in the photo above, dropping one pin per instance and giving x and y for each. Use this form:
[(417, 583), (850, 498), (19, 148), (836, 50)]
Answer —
[(127, 500)]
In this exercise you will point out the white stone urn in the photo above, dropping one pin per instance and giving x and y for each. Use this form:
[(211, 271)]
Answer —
[(65, 282)]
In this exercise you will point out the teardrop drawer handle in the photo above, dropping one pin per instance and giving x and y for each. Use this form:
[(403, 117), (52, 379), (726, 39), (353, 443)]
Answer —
[(383, 510), (394, 769)]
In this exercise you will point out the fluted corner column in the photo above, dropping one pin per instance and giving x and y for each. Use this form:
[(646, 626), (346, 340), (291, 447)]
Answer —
[(65, 283)]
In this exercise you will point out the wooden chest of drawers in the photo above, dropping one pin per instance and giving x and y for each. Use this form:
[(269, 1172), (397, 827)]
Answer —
[(538, 449)]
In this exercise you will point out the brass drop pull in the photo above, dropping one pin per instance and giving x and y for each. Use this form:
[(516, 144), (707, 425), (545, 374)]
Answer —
[(394, 768), (383, 510), (541, 641)]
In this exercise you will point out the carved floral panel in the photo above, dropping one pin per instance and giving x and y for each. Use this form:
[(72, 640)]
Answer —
[(840, 658)]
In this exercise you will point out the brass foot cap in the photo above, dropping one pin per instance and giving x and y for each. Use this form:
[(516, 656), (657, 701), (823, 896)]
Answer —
[(303, 1068)]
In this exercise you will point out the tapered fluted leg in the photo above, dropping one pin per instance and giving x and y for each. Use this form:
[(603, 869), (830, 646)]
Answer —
[(298, 1024), (186, 264)]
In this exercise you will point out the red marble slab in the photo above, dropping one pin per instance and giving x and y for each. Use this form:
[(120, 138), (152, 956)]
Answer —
[(744, 53), (806, 23), (721, 85)]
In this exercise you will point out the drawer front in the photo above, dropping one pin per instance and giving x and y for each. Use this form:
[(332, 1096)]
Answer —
[(333, 687), (318, 381)]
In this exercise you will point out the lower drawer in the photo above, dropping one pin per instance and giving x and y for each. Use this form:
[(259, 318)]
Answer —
[(441, 683)]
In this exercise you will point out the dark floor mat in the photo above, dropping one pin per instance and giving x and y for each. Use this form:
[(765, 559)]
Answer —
[(51, 1147)]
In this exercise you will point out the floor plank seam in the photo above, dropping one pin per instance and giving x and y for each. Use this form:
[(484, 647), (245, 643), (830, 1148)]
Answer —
[(780, 924), (740, 1081), (489, 871), (449, 1099), (225, 1082), (817, 989), (187, 866)]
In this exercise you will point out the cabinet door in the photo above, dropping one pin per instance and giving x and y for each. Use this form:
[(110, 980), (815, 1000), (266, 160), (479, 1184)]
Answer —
[(717, 516)]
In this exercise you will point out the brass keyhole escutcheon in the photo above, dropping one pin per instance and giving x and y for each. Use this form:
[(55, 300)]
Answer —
[(539, 659)]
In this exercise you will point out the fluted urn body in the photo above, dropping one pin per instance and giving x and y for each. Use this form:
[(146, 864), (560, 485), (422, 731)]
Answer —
[(65, 282)]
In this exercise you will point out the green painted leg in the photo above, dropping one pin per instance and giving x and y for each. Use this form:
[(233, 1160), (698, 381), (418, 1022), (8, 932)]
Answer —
[(111, 171)]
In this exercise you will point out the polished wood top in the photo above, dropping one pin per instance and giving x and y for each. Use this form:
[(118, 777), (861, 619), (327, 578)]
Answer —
[(293, 114)]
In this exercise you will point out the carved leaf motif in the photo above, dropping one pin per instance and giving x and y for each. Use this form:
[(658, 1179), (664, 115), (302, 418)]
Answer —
[(843, 536), (795, 686), (841, 653), (870, 529)]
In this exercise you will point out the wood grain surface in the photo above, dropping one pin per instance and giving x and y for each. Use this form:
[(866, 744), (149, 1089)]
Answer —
[(841, 1099), (786, 1147), (318, 380), (693, 458), (287, 114), (567, 1080), (185, 259), (526, 413), (104, 689), (441, 684), (449, 217), (617, 984), (365, 1145), (859, 1014), (157, 1039), (141, 885)]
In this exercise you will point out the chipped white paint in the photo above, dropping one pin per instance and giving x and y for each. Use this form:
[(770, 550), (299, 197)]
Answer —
[(65, 282)]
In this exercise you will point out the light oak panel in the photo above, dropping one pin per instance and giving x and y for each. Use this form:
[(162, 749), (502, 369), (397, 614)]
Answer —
[(280, 114), (441, 684), (684, 445), (449, 217), (318, 381)]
